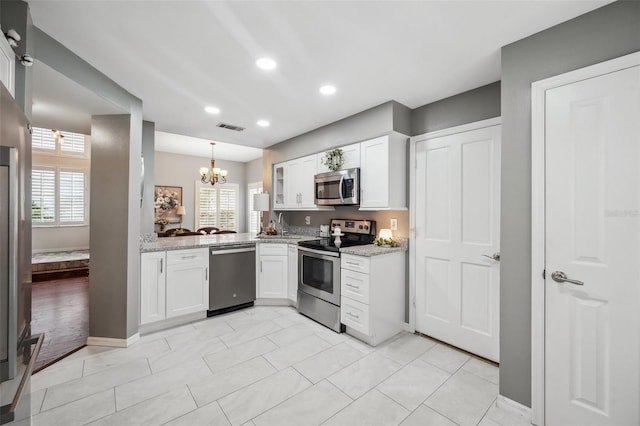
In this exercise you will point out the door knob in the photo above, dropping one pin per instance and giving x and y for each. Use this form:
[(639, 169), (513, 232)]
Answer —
[(561, 277), (494, 256)]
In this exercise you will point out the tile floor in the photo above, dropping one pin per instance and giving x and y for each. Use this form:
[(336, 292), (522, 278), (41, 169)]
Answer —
[(268, 366)]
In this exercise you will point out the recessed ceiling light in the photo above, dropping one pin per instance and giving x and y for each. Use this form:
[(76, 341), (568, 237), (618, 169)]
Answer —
[(263, 123), (328, 89), (266, 64), (212, 110)]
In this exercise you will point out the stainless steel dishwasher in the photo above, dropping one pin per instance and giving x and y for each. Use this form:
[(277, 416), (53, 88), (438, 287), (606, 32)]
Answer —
[(232, 277)]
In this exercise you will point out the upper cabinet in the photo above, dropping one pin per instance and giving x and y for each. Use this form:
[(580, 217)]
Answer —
[(383, 173), (7, 65), (351, 155), (293, 184)]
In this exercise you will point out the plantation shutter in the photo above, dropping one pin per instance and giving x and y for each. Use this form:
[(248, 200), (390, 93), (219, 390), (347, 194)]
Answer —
[(72, 197), (227, 205), (72, 142), (207, 207), (43, 198), (43, 139)]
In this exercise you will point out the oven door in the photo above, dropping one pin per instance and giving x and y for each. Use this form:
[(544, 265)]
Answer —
[(319, 274), (337, 188)]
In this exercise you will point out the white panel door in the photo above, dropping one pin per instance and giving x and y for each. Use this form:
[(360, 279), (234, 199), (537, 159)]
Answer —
[(457, 224), (592, 235)]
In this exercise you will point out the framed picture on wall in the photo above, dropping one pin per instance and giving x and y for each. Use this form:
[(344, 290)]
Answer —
[(166, 200)]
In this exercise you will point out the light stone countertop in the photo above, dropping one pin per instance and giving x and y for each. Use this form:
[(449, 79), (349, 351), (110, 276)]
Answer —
[(196, 241), (371, 250)]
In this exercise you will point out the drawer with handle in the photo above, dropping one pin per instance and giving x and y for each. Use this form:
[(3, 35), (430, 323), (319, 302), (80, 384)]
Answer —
[(176, 257), (355, 263), (355, 285), (355, 315), (273, 249)]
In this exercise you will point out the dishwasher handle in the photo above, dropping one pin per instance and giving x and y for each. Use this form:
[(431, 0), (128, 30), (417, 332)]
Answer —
[(221, 250)]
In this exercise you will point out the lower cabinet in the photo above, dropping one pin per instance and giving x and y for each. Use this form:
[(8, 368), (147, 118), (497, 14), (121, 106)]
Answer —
[(272, 271), (173, 283), (372, 296)]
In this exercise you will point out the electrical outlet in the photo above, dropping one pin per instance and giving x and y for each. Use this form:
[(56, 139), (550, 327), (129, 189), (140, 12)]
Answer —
[(394, 224), (307, 220)]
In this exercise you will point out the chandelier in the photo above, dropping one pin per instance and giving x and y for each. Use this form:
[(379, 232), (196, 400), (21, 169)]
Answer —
[(213, 174)]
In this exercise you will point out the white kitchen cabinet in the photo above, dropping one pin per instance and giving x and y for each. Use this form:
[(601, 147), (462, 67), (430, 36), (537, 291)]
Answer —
[(292, 276), (153, 267), (272, 271), (350, 154), (383, 182), (372, 295), (293, 184), (187, 281), (7, 65)]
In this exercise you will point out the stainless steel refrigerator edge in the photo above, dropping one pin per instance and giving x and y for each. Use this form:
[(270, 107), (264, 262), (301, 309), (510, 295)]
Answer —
[(15, 252)]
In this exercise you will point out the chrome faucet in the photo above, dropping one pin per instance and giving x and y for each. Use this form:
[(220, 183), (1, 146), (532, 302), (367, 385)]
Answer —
[(281, 223)]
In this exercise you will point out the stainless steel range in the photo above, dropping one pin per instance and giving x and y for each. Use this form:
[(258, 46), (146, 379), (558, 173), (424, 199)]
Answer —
[(319, 271)]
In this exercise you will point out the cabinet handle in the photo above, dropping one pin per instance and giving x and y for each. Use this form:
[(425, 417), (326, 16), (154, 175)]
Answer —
[(206, 274), (352, 286), (261, 266), (352, 263), (189, 257), (353, 315), (161, 265)]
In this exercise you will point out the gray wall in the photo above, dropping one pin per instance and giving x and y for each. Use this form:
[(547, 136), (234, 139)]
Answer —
[(253, 170), (606, 33), (148, 153), (468, 107)]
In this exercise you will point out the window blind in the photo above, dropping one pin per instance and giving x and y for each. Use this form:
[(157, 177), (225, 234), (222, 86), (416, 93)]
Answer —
[(72, 196), (72, 142), (43, 139), (207, 203), (254, 217), (218, 206), (43, 198)]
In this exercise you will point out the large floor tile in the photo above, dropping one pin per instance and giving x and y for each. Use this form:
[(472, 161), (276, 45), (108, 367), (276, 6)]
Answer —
[(445, 358), (209, 415), (310, 407), (482, 369), (36, 401), (406, 348), (328, 362), (88, 385), (504, 415), (181, 340), (296, 352), (291, 335), (424, 415), (372, 409), (56, 374), (286, 321), (233, 356), (79, 412), (265, 313), (413, 384), (207, 322), (464, 398), (148, 387), (230, 380), (361, 376), (139, 351), (250, 333), (196, 349), (162, 334), (253, 400), (156, 411)]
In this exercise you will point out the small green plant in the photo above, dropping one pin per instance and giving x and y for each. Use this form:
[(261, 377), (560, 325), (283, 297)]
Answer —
[(333, 159), (385, 242)]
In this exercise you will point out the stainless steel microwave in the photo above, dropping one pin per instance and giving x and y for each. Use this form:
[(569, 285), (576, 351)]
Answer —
[(340, 188)]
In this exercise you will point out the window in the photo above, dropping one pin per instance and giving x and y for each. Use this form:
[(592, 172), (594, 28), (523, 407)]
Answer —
[(61, 143), (58, 196), (217, 206), (254, 217)]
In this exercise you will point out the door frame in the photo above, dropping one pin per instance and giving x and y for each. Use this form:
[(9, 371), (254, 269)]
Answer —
[(413, 142), (538, 208)]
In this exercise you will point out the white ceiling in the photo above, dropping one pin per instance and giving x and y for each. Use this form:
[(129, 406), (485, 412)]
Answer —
[(187, 145), (180, 56)]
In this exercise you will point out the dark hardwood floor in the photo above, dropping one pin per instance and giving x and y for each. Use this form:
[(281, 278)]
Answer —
[(60, 309)]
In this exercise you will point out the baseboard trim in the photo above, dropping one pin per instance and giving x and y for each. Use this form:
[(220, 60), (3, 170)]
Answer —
[(115, 343), (513, 406)]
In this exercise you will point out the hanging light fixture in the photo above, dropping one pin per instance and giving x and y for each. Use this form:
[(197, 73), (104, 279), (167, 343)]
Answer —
[(58, 136), (213, 174)]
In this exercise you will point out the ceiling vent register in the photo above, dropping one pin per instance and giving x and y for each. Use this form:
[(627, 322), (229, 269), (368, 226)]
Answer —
[(230, 127)]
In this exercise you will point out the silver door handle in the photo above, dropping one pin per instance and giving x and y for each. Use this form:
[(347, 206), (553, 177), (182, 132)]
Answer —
[(494, 256), (340, 188), (561, 277)]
